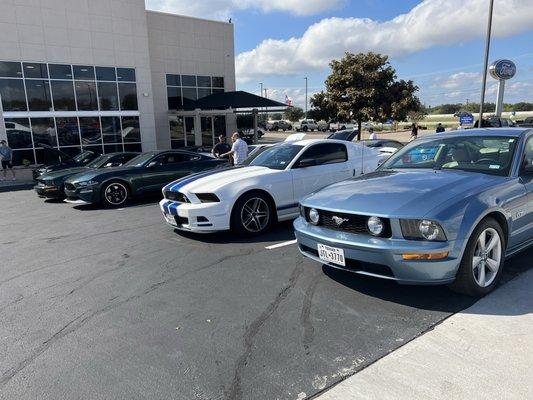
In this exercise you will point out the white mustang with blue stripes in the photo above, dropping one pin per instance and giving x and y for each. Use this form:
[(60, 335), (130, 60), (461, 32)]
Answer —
[(268, 188)]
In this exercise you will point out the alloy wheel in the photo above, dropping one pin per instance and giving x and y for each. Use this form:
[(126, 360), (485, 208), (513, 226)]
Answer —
[(487, 257), (116, 193), (255, 215)]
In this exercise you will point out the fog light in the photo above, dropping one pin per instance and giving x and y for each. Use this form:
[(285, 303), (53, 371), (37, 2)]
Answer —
[(375, 226), (314, 217), (424, 256)]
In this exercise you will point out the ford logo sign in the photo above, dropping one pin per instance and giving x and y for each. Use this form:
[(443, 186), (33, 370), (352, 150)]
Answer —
[(502, 69)]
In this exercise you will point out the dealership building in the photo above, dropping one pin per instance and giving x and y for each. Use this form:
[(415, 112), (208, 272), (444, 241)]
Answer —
[(108, 75)]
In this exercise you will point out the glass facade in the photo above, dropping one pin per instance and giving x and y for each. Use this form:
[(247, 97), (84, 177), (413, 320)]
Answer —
[(26, 88), (182, 90)]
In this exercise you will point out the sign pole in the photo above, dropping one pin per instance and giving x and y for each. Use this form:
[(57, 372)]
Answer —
[(486, 64)]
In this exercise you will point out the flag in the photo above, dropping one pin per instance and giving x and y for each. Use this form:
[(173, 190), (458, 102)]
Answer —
[(288, 100)]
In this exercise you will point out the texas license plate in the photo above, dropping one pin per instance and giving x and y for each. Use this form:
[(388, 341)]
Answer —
[(170, 219), (331, 254)]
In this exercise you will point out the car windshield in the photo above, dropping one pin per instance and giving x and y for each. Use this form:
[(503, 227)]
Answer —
[(98, 161), (275, 157), (485, 154), (82, 156), (140, 160)]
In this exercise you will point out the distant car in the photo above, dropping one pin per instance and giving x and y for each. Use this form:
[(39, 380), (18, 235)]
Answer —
[(346, 134), (496, 122), (449, 218), (279, 125), (249, 199), (248, 135), (56, 160), (142, 175), (306, 125), (335, 126), (528, 123), (51, 185)]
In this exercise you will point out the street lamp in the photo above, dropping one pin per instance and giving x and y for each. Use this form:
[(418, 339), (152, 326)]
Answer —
[(486, 64), (305, 97)]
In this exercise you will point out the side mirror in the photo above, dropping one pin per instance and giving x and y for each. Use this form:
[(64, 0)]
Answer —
[(152, 164), (306, 162)]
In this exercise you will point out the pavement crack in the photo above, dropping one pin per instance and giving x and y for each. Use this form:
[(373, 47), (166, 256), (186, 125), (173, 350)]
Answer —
[(235, 390), (305, 320)]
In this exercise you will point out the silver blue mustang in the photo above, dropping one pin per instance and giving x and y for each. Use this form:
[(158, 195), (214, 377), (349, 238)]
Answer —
[(445, 209)]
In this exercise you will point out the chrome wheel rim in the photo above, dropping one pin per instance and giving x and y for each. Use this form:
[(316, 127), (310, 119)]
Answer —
[(255, 214), (116, 194), (487, 257)]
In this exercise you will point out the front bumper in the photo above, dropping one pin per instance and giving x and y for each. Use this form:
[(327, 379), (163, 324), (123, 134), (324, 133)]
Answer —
[(202, 217), (379, 257), (88, 195), (48, 192)]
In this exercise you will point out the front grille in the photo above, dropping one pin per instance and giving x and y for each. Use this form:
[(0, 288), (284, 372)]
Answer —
[(70, 186), (356, 265), (351, 223), (176, 196)]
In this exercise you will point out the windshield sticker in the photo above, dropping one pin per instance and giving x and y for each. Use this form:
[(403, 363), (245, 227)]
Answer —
[(494, 166), (511, 140)]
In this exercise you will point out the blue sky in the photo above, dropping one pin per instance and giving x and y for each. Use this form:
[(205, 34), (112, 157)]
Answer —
[(437, 43)]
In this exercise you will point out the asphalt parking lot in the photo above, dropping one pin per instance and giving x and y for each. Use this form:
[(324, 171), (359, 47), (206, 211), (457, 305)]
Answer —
[(113, 304)]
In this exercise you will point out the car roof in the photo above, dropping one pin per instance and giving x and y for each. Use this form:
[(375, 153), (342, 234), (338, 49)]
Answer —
[(511, 132), (305, 142)]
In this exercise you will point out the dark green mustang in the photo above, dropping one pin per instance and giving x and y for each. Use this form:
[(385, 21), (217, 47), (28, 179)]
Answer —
[(143, 175), (51, 185)]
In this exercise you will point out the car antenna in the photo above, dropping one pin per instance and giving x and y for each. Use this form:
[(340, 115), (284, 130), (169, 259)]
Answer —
[(363, 155)]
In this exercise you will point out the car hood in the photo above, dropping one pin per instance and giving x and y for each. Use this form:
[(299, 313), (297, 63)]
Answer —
[(64, 173), (408, 194), (96, 174), (213, 180)]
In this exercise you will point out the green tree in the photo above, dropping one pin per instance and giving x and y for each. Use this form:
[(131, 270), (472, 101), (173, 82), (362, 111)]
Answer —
[(364, 87), (321, 107), (293, 114)]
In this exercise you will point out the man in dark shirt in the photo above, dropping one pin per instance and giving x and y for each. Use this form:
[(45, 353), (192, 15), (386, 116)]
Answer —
[(440, 128), (221, 147)]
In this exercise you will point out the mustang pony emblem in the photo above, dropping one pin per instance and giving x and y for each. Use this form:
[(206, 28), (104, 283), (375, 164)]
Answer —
[(338, 220)]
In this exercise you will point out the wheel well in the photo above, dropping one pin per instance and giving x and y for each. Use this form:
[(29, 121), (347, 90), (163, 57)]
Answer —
[(500, 218), (258, 191)]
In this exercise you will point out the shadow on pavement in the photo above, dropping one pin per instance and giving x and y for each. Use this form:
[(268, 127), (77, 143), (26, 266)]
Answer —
[(146, 201)]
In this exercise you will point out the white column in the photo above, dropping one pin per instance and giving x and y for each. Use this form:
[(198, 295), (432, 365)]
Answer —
[(499, 102)]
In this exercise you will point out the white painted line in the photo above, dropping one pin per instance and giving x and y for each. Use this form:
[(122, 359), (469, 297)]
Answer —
[(275, 246)]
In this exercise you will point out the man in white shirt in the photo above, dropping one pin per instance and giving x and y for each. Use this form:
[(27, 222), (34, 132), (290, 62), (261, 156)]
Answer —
[(239, 150), (373, 135)]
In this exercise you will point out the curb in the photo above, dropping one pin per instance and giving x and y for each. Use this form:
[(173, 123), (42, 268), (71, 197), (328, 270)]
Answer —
[(16, 187)]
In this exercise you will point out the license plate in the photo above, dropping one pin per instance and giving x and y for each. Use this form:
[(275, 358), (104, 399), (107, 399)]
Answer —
[(170, 219), (331, 254)]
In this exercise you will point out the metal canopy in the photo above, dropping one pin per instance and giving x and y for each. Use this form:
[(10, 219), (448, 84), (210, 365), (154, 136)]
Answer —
[(234, 100)]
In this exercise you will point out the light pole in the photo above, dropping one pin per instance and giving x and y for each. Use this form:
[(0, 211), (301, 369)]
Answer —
[(306, 97), (261, 94), (486, 64)]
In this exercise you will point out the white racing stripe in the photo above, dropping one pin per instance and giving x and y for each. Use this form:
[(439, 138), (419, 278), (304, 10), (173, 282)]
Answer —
[(276, 246)]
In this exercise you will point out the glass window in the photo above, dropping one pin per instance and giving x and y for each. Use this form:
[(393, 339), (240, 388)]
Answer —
[(173, 80), (44, 131), (218, 90), (86, 96), (23, 157), (130, 129), (35, 70), (60, 71), (113, 148), (204, 81), (12, 94), (83, 72), (108, 96), (188, 80), (329, 153), (71, 151), (39, 98), (133, 147), (174, 98), (90, 131), (189, 96), (128, 96), (111, 130), (177, 135), (189, 131), (218, 82), (96, 149), (106, 74), (207, 131), (18, 133), (126, 74), (203, 92), (10, 69), (68, 132), (63, 95)]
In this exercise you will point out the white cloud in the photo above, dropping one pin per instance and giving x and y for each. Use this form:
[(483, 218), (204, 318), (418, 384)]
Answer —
[(223, 9), (431, 23)]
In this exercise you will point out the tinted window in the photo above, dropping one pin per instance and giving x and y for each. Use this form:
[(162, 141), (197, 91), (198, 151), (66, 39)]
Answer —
[(188, 80), (136, 147), (60, 71), (106, 74), (327, 153), (35, 70), (173, 80), (130, 129), (218, 82), (203, 92), (174, 98), (126, 74), (39, 98), (12, 94), (128, 96), (86, 96), (96, 149), (275, 157), (23, 157), (108, 96), (83, 72), (189, 95), (204, 81), (67, 131), (173, 158), (10, 69), (18, 133), (90, 131), (528, 153), (63, 95), (113, 148), (111, 130), (44, 131)]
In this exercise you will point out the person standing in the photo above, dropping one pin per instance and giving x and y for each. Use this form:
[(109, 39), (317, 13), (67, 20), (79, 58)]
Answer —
[(239, 150), (373, 135), (440, 128), (414, 131), (6, 154), (222, 147)]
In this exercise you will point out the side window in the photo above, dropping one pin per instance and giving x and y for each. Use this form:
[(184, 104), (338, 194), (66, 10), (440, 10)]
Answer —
[(172, 158), (528, 154), (326, 153)]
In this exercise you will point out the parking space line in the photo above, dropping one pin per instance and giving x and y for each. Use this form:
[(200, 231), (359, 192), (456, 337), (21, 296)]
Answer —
[(276, 246)]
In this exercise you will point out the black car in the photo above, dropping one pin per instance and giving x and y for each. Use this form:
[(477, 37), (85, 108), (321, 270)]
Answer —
[(55, 160), (51, 185), (143, 175), (377, 143), (346, 134)]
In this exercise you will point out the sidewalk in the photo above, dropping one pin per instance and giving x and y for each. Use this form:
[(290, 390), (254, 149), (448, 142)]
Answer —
[(24, 180), (484, 352)]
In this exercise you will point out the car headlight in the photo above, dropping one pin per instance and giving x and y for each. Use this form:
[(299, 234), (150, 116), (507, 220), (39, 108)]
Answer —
[(422, 229), (375, 226), (85, 183), (208, 197), (314, 216)]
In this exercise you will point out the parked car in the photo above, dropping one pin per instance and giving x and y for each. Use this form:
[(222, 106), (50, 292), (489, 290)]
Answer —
[(346, 134), (495, 122), (279, 125), (251, 198), (334, 126), (306, 125), (452, 218), (142, 175), (384, 146), (55, 160), (528, 123), (51, 185), (248, 135)]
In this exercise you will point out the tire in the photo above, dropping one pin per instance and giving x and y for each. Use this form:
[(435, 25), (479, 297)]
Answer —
[(115, 194), (242, 221), (304, 129), (481, 267)]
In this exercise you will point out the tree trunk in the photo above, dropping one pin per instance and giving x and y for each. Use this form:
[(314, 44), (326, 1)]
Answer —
[(359, 127)]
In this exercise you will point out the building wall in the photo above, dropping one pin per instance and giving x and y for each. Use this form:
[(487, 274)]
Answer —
[(186, 46)]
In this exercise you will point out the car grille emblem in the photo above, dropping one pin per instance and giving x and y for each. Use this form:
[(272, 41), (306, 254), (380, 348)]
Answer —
[(338, 220)]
